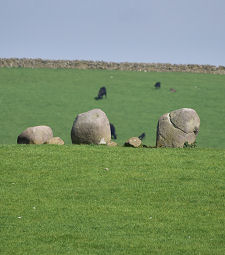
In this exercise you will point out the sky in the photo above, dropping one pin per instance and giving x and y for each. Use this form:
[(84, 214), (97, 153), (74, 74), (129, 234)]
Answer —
[(149, 31)]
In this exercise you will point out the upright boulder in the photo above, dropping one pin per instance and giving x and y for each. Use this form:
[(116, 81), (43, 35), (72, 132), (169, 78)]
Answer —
[(91, 127), (177, 127), (35, 135)]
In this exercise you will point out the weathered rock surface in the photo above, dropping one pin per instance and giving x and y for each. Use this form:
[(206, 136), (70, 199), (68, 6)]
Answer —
[(55, 140), (35, 135), (91, 127), (133, 142), (177, 127)]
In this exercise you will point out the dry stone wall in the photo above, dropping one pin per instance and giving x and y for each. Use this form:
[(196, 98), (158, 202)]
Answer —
[(84, 64)]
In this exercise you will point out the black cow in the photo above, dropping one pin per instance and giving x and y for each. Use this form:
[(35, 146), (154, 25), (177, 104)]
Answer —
[(157, 85), (101, 93), (113, 131), (142, 136)]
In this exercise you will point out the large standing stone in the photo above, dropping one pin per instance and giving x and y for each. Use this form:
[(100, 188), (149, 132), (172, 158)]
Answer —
[(91, 127), (177, 127), (35, 135)]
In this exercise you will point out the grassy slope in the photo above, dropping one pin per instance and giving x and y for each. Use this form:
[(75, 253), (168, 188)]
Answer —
[(30, 97), (149, 201)]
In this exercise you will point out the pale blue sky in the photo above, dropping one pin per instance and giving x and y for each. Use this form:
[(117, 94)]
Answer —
[(151, 31)]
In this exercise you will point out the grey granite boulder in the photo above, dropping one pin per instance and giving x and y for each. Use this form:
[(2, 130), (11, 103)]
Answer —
[(177, 127), (35, 135), (91, 127)]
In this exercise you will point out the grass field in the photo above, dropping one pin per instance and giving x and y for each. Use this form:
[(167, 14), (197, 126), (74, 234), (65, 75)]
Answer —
[(30, 97), (102, 200), (110, 200)]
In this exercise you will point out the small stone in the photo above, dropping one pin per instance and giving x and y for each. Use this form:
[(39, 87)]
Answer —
[(111, 143), (133, 142), (55, 140)]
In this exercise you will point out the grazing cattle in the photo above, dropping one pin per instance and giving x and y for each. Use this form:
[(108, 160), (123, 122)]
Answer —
[(157, 85), (172, 90), (113, 131), (142, 136), (101, 93)]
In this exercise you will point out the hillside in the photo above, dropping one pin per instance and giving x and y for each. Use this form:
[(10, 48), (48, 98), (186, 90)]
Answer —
[(54, 97)]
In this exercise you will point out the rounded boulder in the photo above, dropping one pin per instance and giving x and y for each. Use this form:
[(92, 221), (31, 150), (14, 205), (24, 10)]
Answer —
[(35, 135), (177, 127), (91, 127)]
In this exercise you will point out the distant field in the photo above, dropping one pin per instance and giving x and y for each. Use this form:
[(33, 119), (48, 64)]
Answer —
[(102, 200), (30, 97)]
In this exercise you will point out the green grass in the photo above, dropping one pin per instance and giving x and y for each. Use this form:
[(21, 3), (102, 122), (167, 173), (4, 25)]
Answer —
[(110, 200), (30, 97), (63, 200)]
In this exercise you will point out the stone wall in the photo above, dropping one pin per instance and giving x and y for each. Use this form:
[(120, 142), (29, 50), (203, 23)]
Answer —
[(83, 64)]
